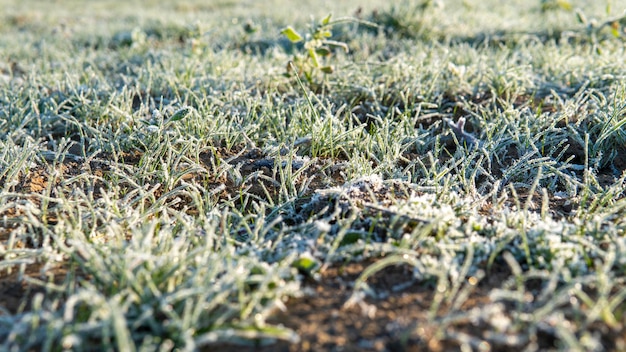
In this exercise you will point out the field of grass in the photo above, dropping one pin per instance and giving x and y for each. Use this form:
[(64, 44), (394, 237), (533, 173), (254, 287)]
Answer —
[(440, 175)]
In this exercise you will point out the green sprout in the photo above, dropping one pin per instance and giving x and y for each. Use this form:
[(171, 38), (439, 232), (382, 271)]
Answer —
[(317, 49)]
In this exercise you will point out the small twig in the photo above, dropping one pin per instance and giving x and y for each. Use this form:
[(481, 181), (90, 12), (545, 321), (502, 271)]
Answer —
[(459, 131)]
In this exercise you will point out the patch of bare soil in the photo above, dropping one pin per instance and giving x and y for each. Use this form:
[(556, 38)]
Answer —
[(398, 319), (325, 322), (16, 293)]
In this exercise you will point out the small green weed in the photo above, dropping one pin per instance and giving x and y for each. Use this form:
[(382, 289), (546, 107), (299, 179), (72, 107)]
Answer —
[(314, 60)]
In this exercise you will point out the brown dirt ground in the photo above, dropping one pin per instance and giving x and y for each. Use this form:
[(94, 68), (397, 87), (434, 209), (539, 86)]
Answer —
[(399, 322)]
